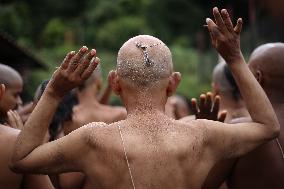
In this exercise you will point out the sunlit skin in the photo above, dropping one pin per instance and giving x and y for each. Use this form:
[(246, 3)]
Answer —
[(162, 152)]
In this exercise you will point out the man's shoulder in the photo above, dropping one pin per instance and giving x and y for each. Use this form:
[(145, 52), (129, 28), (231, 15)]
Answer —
[(93, 126), (193, 126), (191, 122), (96, 129), (98, 133)]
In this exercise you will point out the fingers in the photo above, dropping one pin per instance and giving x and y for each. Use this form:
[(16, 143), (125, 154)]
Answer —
[(11, 120), (208, 104), (14, 120), (202, 99), (67, 60), (213, 30), (222, 24), (216, 105), (227, 20), (2, 87), (219, 20), (194, 106), (85, 63), (76, 59), (91, 68), (18, 119), (222, 116), (239, 25)]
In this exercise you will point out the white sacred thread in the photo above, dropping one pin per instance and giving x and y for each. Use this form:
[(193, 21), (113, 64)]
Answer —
[(126, 158), (280, 147)]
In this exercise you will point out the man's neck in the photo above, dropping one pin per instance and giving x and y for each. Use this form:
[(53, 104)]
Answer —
[(144, 104), (88, 98)]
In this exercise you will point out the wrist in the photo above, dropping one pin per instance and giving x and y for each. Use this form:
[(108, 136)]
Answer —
[(236, 60), (51, 93)]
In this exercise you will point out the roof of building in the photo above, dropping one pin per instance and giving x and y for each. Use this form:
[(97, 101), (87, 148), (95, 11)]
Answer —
[(16, 56)]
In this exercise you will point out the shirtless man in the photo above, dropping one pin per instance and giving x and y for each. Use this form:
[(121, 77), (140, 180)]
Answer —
[(10, 99), (225, 86), (264, 167), (147, 149)]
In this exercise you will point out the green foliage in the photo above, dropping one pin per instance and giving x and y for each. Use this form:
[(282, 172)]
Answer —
[(114, 33), (53, 33), (51, 28), (186, 61)]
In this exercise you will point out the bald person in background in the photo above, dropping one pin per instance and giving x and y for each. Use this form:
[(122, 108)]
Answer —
[(9, 100), (264, 167), (225, 86), (145, 149)]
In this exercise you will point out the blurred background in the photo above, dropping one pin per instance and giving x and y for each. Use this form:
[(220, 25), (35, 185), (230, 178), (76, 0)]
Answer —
[(35, 35)]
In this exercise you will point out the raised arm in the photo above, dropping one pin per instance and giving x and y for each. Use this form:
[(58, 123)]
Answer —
[(29, 154), (228, 140)]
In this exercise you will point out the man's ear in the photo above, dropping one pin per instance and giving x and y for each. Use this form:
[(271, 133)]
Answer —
[(173, 83), (2, 90), (113, 82), (259, 77)]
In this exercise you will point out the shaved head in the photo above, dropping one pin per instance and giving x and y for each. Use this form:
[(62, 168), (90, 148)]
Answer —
[(219, 77), (144, 60), (267, 64), (14, 85), (9, 76), (224, 80)]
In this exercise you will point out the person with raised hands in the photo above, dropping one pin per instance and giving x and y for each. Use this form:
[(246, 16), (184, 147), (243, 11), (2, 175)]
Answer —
[(147, 149), (8, 136)]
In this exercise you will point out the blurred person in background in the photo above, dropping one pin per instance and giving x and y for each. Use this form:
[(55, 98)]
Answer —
[(9, 100)]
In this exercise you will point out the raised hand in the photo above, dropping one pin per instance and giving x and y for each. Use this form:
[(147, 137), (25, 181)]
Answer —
[(14, 120), (207, 109), (225, 37), (74, 70)]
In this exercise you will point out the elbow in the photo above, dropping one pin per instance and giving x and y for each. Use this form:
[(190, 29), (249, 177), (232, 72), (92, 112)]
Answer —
[(276, 130), (16, 167)]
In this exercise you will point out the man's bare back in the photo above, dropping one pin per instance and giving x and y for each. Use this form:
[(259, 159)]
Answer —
[(147, 150), (157, 148)]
